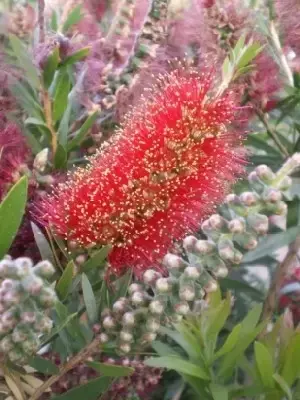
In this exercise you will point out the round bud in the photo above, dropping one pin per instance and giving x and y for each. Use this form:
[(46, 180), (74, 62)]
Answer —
[(236, 225), (152, 325), (138, 299), (192, 273), (128, 319), (148, 337), (216, 221), (135, 287), (281, 208), (272, 196), (120, 305), (163, 285), (103, 338), (249, 198), (24, 266), (173, 262), (221, 272), (156, 307), (6, 344), (47, 297), (264, 173), (28, 317), (150, 276), (187, 293), (203, 247), (32, 284), (81, 259), (182, 308), (259, 223), (109, 323), (124, 348), (18, 336), (286, 183), (126, 336), (189, 243), (212, 286)]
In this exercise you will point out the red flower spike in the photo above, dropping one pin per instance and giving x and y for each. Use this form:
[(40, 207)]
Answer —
[(171, 163)]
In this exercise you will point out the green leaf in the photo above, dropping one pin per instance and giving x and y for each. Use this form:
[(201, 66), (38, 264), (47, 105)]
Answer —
[(27, 100), (271, 243), (12, 210), (83, 131), (114, 371), (97, 260), (35, 121), (61, 93), (283, 386), (60, 158), (218, 392), (179, 339), (65, 282), (42, 244), (89, 298), (218, 318), (24, 60), (264, 364), (64, 126), (248, 54), (178, 364), (43, 365), (230, 342), (163, 349), (76, 56), (73, 18), (291, 366), (64, 323), (50, 67), (90, 391)]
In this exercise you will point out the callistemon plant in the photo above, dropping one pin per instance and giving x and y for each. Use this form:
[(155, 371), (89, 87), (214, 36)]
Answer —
[(173, 160)]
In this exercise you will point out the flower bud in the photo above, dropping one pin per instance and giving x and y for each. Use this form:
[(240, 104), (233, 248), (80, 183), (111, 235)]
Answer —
[(148, 337), (226, 249), (272, 195), (163, 285), (265, 173), (259, 223), (150, 276), (8, 269), (156, 307), (189, 243), (128, 319), (18, 335), (221, 272), (246, 240), (203, 247), (135, 287), (126, 336), (120, 305), (249, 199), (41, 160), (217, 222), (11, 298), (182, 308), (6, 344), (109, 323), (124, 348), (24, 266), (44, 269), (173, 262), (192, 273), (152, 325), (47, 297), (138, 298), (103, 338), (32, 284), (237, 225), (187, 293), (211, 286)]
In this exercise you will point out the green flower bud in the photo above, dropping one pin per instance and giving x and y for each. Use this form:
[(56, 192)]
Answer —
[(265, 173), (44, 269), (203, 247), (237, 225), (128, 319), (246, 240), (192, 273), (259, 223), (182, 308), (163, 285), (249, 199), (272, 195), (150, 276), (124, 348), (189, 243), (109, 323), (126, 336), (32, 284), (152, 325), (156, 307)]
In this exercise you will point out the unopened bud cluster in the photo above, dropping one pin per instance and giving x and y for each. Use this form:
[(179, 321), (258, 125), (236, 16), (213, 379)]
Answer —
[(25, 299), (135, 320), (159, 299)]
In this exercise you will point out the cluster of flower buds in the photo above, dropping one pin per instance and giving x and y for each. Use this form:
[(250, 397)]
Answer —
[(142, 382), (157, 300), (25, 299)]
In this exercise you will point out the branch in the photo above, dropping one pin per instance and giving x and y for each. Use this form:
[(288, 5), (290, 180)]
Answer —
[(271, 132), (41, 20), (78, 358), (281, 271)]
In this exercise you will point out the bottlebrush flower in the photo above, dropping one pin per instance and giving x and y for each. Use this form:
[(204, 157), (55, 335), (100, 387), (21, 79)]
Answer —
[(288, 14), (289, 294), (173, 160), (14, 154)]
